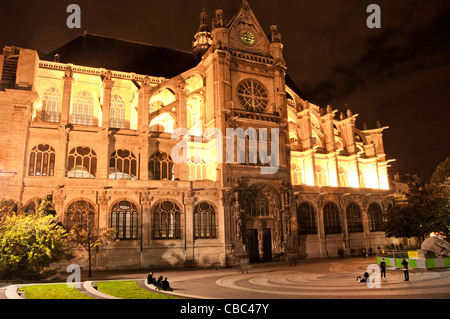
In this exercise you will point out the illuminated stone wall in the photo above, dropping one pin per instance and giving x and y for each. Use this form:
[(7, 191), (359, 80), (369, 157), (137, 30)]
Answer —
[(103, 138)]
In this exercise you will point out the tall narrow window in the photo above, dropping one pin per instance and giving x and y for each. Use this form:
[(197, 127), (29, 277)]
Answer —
[(51, 105), (306, 218), (296, 175), (117, 112), (258, 206), (167, 221), (343, 177), (322, 176), (204, 221), (82, 163), (332, 218), (354, 218), (83, 109), (375, 217), (197, 169), (160, 166), (42, 161), (122, 165), (124, 219)]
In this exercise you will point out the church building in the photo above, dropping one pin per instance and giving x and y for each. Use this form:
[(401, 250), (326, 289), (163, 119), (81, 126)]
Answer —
[(196, 159)]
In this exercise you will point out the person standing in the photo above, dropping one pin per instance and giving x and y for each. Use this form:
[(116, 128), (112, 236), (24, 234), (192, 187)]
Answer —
[(383, 268), (405, 269)]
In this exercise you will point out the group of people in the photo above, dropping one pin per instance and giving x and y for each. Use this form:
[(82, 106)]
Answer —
[(405, 265), (161, 283)]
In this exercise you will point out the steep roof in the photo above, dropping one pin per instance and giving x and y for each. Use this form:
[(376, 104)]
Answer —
[(126, 56)]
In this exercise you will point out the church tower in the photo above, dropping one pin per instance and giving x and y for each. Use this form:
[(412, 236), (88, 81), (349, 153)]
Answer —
[(202, 39)]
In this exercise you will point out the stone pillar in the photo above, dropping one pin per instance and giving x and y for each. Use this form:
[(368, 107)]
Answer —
[(66, 96), (143, 126), (103, 213), (107, 86), (146, 219), (189, 202)]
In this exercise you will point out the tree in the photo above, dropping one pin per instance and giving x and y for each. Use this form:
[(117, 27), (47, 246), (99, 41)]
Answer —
[(29, 243), (427, 208), (85, 233), (441, 174), (9, 207)]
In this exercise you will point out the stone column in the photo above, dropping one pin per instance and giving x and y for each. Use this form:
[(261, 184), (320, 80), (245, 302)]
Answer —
[(189, 202), (107, 86), (66, 96)]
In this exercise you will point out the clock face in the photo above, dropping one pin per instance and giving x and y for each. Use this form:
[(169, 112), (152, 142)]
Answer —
[(247, 37)]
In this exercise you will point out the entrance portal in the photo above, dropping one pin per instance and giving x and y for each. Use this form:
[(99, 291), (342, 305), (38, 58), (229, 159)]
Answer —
[(267, 244), (252, 245)]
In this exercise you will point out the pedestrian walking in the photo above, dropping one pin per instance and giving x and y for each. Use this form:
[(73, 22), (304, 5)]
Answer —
[(383, 268), (405, 269)]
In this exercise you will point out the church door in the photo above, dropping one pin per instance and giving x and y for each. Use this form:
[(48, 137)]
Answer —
[(267, 244), (252, 245)]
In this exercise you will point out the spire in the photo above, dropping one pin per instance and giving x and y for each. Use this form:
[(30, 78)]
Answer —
[(202, 39)]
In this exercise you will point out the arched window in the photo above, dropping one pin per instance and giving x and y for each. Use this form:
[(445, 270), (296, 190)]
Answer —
[(160, 166), (296, 175), (82, 163), (117, 112), (354, 218), (51, 105), (375, 217), (166, 221), (252, 95), (30, 208), (322, 176), (343, 177), (332, 218), (42, 161), (306, 218), (80, 212), (197, 169), (122, 165), (259, 206), (124, 219), (83, 109), (204, 221)]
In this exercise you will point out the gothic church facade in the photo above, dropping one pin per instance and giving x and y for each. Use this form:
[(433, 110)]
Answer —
[(94, 124)]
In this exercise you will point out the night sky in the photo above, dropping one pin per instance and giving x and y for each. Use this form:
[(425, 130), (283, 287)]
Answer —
[(398, 74)]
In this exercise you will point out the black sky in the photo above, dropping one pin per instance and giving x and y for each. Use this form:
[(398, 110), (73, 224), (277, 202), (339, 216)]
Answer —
[(398, 75)]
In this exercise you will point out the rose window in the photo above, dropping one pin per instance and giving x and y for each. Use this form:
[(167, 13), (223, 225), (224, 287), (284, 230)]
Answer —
[(253, 96)]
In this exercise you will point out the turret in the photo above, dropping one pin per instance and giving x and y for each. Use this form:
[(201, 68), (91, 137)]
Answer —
[(202, 39)]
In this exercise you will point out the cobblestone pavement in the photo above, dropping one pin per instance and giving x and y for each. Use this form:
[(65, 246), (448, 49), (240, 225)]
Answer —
[(308, 279)]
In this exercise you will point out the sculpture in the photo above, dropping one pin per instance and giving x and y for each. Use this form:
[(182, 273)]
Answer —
[(437, 245)]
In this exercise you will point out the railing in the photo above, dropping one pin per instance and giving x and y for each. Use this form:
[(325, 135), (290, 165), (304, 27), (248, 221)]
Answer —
[(99, 71)]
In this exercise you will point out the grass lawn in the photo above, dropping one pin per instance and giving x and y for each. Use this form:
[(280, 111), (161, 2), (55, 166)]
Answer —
[(52, 291), (129, 290)]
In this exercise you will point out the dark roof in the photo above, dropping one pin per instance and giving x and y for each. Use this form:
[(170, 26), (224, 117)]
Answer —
[(126, 56)]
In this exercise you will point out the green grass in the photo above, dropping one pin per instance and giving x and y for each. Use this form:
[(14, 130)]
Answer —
[(52, 291), (129, 290)]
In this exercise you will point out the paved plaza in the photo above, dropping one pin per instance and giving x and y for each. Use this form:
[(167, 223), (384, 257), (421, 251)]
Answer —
[(332, 278)]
